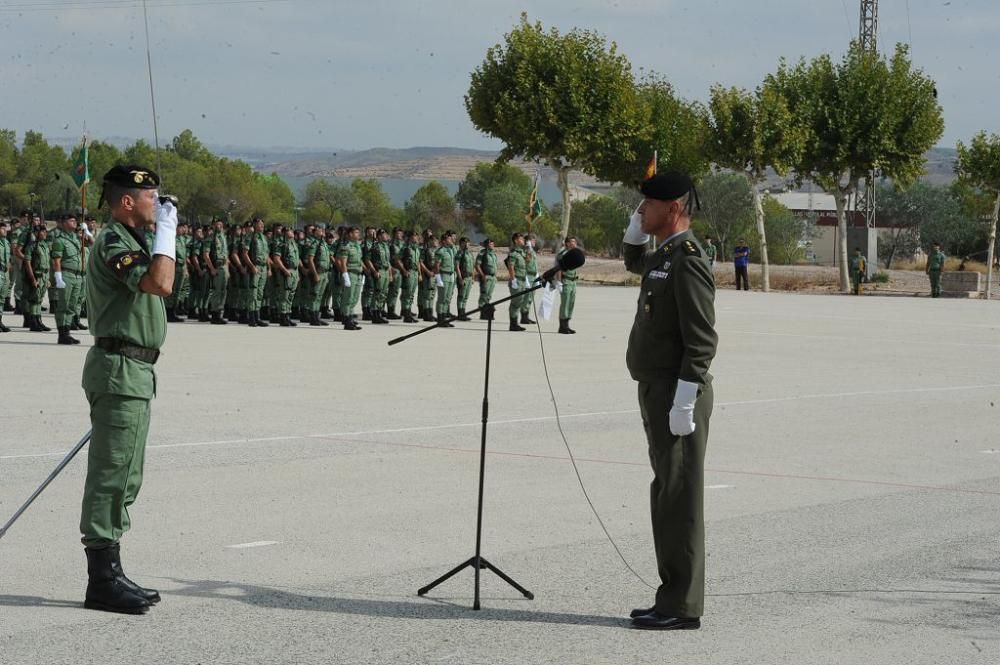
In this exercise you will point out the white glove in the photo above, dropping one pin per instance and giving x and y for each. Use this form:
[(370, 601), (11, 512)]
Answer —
[(513, 285), (345, 278), (439, 280), (165, 241), (60, 284), (86, 232), (559, 286), (682, 412), (634, 234), (362, 280)]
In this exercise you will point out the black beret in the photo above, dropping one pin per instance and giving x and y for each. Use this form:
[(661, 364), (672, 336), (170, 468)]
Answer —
[(132, 177), (667, 186)]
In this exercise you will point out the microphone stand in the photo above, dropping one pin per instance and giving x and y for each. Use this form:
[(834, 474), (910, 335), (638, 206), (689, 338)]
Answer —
[(477, 561)]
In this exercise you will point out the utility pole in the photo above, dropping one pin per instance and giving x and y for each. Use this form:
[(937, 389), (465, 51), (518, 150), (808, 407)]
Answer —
[(864, 202)]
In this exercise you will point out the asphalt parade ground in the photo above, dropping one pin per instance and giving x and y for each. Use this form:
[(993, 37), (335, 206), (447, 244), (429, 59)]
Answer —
[(302, 484)]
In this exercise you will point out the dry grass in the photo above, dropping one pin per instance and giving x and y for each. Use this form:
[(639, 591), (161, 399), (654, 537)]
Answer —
[(950, 263)]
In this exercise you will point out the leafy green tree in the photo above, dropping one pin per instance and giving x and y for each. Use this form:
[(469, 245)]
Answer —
[(327, 202), (372, 206), (598, 223), (39, 167), (568, 100), (749, 132), (979, 166), (503, 212), (919, 217), (785, 231), (860, 114), (471, 196), (727, 210), (430, 207)]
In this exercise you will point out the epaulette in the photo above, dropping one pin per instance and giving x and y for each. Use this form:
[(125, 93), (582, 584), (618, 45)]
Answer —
[(691, 249)]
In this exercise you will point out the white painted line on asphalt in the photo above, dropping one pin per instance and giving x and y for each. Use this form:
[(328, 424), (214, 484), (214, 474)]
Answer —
[(991, 451), (719, 487), (536, 419), (258, 543), (854, 339)]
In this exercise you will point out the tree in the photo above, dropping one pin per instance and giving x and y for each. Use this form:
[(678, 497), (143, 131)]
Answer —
[(860, 114), (726, 209), (372, 206), (503, 212), (919, 217), (327, 202), (785, 232), (430, 207), (471, 196), (598, 221), (187, 146), (39, 166), (979, 166), (749, 132), (568, 100)]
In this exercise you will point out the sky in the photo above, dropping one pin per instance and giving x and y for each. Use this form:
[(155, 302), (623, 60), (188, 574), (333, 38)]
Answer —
[(328, 74)]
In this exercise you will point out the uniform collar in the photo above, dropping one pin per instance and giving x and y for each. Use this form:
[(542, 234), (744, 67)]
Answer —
[(673, 241)]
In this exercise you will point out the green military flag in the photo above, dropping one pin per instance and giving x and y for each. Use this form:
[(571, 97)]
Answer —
[(81, 167)]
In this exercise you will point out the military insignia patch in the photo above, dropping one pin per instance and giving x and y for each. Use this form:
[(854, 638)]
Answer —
[(666, 265), (691, 249), (121, 264)]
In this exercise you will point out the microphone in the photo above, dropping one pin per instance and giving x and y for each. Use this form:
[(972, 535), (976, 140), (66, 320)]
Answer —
[(571, 260)]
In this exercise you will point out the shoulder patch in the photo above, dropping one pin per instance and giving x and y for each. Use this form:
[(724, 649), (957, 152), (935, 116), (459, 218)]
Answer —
[(124, 262), (691, 249)]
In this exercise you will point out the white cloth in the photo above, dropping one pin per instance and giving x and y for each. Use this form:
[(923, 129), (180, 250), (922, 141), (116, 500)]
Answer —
[(362, 280), (513, 285), (548, 301), (439, 280), (345, 278), (634, 234), (60, 284), (165, 240), (682, 412)]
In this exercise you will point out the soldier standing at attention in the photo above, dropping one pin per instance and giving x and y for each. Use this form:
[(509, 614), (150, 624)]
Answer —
[(36, 276), (486, 269), (517, 273), (5, 262), (285, 255), (427, 259), (407, 265), (199, 276), (858, 267), (349, 260), (670, 349), (215, 255), (935, 264), (18, 241), (395, 277), (379, 260), (368, 283), (173, 301), (255, 255), (444, 277), (567, 291), (239, 276), (465, 274), (128, 280), (530, 273), (67, 258), (710, 251), (318, 258)]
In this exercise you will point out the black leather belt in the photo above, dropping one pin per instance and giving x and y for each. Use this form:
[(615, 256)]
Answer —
[(127, 349)]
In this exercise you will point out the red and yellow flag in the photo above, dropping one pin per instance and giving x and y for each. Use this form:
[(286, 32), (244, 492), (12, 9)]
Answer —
[(651, 168)]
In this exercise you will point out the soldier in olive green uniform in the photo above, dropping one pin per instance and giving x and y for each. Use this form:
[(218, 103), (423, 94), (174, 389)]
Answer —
[(465, 275), (567, 291), (173, 301), (67, 276), (54, 292), (326, 309), (215, 257), (427, 283), (5, 265), (319, 261), (530, 274), (444, 276), (368, 283), (18, 241), (238, 286), (710, 251), (516, 272), (36, 275), (255, 255), (378, 258), (859, 269), (670, 349), (395, 276), (127, 282), (935, 264), (408, 266), (285, 255), (486, 268), (350, 264), (199, 275)]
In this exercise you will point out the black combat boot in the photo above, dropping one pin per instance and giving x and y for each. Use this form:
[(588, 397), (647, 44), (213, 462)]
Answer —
[(324, 313), (568, 329), (461, 315), (79, 326), (391, 315), (105, 590), (366, 314), (286, 322), (429, 316), (351, 323), (408, 317), (65, 337), (444, 321), (203, 316), (337, 316), (514, 327), (18, 308), (3, 328), (151, 595), (526, 320), (172, 316), (7, 306), (261, 323), (244, 316), (217, 319), (29, 321)]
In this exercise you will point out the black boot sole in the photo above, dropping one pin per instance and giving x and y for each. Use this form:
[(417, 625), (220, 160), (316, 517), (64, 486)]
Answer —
[(94, 605)]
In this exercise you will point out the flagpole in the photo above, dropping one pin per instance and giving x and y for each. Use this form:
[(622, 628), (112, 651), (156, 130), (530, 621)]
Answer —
[(152, 96), (656, 162)]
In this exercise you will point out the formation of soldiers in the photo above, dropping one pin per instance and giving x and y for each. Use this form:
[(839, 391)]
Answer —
[(259, 276)]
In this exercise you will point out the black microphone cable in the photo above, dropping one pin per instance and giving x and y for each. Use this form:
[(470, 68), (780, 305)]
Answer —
[(572, 458)]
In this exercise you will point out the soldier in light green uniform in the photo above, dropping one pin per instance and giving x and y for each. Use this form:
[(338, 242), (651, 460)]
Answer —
[(5, 265), (36, 273), (237, 290), (517, 274), (567, 290), (408, 266), (172, 302), (67, 276), (255, 255), (215, 258), (319, 260), (368, 283), (18, 241), (427, 283), (710, 251), (444, 276), (54, 293), (336, 284), (530, 274), (465, 275), (859, 269), (670, 349), (285, 256), (125, 289), (350, 264), (199, 275), (486, 268), (935, 264), (378, 258), (395, 276), (326, 308), (301, 305)]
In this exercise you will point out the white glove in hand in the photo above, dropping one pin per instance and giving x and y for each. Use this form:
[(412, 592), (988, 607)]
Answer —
[(439, 280), (559, 286), (634, 234), (513, 285), (60, 284), (86, 232), (345, 278), (165, 241), (362, 280), (682, 412)]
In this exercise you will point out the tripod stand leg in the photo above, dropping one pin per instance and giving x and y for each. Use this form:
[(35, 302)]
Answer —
[(499, 573), (451, 573)]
